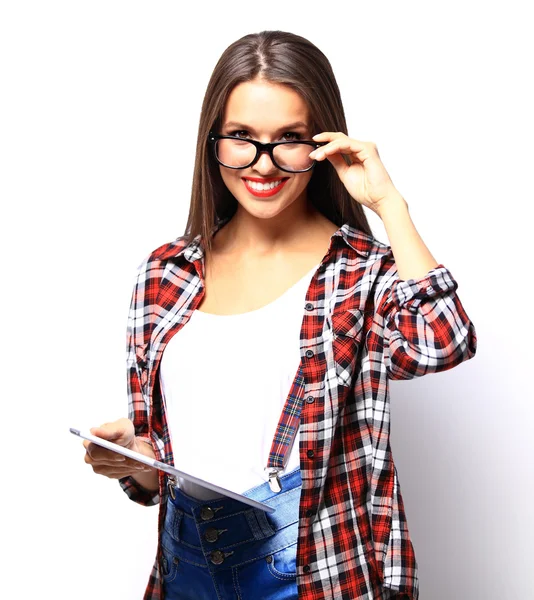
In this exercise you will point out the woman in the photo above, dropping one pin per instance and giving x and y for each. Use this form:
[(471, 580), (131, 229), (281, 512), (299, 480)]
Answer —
[(296, 318)]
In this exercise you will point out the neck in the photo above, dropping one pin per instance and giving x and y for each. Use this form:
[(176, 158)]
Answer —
[(254, 236)]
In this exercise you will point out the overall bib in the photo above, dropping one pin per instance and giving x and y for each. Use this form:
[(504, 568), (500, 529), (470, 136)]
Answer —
[(222, 549)]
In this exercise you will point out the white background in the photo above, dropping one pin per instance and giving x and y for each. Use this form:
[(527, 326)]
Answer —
[(100, 103)]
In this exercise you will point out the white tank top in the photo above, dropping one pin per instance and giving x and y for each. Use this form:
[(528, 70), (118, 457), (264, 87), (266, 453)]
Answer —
[(225, 380)]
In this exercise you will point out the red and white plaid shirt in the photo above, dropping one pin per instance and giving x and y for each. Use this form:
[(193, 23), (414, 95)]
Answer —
[(361, 326)]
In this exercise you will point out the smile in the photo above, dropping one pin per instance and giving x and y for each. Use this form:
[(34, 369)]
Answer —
[(263, 190)]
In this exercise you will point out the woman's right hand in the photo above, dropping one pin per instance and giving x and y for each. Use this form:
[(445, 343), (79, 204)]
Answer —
[(109, 463)]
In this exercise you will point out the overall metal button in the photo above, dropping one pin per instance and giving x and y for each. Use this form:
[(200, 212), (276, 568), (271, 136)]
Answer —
[(217, 557), (171, 489), (211, 535), (206, 513)]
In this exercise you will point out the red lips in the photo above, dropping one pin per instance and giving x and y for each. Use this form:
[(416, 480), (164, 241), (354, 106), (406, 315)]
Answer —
[(265, 193)]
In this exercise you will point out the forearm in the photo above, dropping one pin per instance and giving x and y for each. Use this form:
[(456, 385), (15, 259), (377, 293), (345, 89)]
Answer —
[(412, 258), (147, 479)]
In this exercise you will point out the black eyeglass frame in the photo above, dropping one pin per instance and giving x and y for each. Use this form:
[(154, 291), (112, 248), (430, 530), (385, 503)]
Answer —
[(262, 147)]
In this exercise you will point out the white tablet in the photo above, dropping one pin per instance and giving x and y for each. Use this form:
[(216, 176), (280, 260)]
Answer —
[(170, 470)]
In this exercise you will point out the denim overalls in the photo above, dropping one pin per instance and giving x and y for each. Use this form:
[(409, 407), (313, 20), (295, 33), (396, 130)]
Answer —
[(223, 549)]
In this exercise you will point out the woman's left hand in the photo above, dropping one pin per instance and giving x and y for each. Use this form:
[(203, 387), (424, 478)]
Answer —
[(366, 178)]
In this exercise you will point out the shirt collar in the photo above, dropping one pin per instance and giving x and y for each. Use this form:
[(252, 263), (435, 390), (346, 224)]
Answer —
[(359, 241)]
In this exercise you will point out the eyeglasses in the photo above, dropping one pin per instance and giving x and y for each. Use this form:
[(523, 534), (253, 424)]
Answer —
[(239, 153)]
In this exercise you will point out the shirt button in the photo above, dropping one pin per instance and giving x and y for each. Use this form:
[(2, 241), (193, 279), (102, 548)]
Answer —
[(206, 513), (306, 568), (310, 453), (310, 399), (309, 353), (309, 512), (309, 306)]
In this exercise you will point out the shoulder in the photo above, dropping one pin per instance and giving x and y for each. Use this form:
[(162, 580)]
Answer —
[(375, 270), (154, 267), (366, 245), (164, 253), (168, 250)]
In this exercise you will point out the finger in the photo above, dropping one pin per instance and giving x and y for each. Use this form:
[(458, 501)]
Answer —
[(135, 464), (324, 139), (340, 164), (90, 460), (347, 144), (358, 151), (322, 153), (329, 148), (119, 474), (96, 452), (116, 460), (113, 473), (125, 467)]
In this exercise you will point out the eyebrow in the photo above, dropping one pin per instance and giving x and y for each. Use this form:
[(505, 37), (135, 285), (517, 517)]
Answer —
[(295, 125)]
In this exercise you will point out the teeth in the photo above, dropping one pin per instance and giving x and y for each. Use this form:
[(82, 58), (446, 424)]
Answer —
[(255, 185)]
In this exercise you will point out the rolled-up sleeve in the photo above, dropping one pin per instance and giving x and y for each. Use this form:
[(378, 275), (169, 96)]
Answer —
[(138, 404), (424, 325)]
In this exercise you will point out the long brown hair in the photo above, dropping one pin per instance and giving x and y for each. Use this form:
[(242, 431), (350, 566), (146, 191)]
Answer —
[(284, 58)]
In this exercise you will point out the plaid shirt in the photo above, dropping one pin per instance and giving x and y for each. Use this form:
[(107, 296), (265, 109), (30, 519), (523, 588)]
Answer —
[(361, 326)]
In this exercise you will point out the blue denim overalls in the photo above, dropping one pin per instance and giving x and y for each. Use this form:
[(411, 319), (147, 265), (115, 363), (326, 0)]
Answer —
[(223, 549)]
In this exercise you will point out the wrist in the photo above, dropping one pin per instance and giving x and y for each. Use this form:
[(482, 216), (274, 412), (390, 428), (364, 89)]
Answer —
[(148, 479), (143, 446), (391, 204)]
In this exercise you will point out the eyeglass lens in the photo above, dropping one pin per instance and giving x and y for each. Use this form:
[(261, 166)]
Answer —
[(239, 153)]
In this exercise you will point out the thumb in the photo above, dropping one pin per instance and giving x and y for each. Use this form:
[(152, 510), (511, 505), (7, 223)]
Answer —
[(117, 431)]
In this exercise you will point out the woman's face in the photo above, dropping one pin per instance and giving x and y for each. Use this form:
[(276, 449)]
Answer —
[(266, 112)]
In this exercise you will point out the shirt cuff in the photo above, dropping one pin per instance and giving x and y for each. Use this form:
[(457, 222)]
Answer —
[(410, 293), (138, 493)]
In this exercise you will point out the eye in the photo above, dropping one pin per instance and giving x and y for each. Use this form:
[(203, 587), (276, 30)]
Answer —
[(296, 135), (237, 132)]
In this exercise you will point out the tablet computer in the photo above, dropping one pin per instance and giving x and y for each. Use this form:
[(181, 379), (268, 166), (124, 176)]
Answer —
[(170, 470)]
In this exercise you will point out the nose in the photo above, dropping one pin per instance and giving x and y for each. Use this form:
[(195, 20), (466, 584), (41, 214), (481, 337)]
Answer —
[(264, 164)]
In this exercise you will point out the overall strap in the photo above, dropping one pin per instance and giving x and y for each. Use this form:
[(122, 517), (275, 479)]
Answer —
[(286, 432)]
